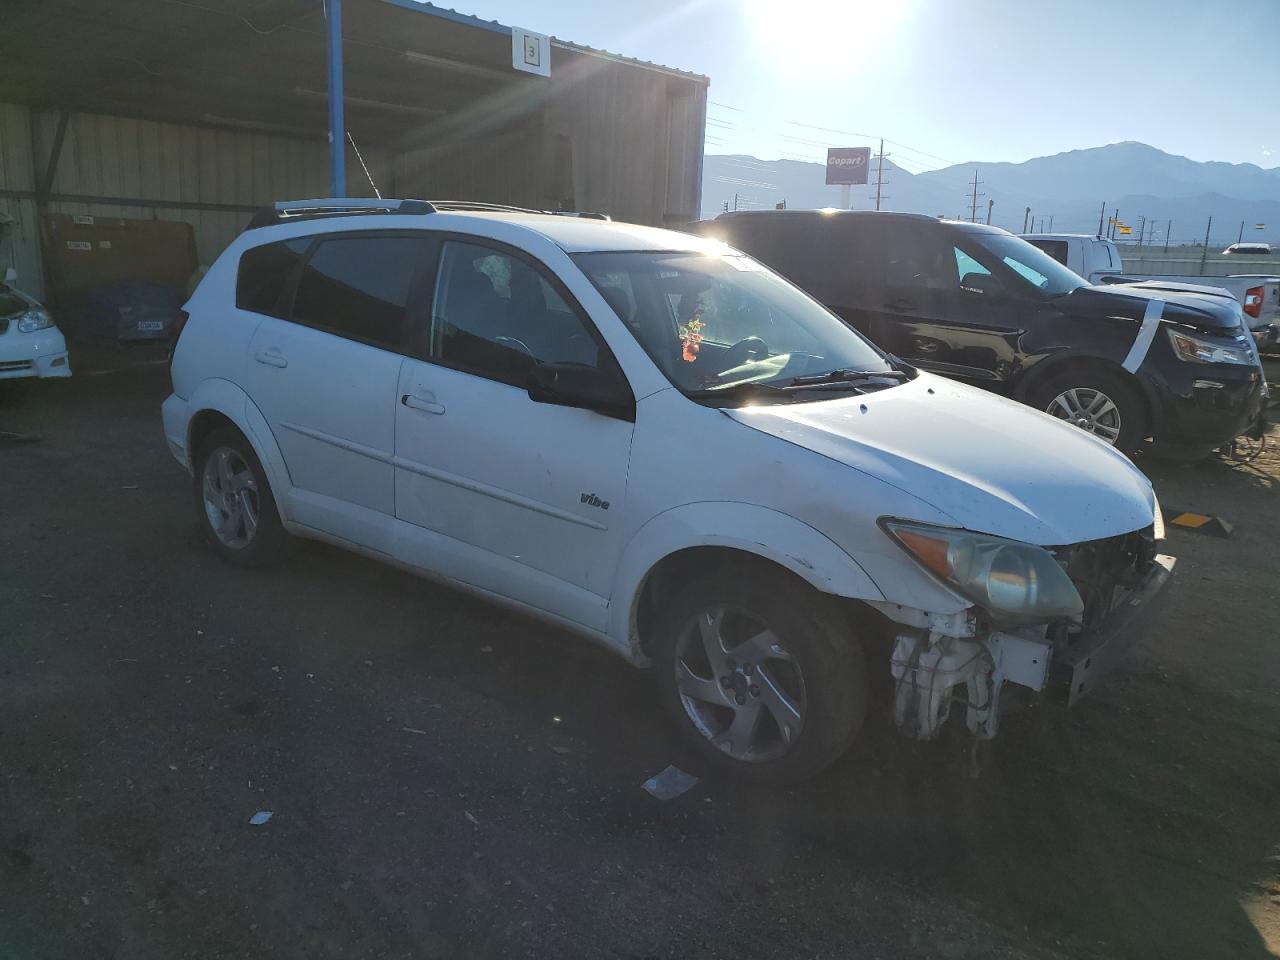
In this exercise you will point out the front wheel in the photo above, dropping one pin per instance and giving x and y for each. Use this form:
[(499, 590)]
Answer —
[(1098, 402), (761, 674)]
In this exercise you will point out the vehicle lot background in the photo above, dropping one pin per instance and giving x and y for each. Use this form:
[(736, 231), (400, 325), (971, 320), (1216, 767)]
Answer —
[(451, 780)]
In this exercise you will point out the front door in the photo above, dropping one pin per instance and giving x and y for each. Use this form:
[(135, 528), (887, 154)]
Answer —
[(936, 305), (325, 375), (514, 496)]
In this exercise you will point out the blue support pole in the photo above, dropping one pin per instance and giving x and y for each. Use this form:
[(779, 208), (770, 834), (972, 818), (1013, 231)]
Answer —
[(337, 121)]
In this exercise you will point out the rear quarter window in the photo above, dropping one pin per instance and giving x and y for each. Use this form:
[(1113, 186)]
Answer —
[(266, 274)]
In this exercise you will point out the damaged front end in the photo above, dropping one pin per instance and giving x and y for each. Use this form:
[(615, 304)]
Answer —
[(968, 657)]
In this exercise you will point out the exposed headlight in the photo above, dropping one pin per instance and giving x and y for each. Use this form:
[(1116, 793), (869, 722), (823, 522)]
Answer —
[(34, 319), (1195, 350), (1005, 577)]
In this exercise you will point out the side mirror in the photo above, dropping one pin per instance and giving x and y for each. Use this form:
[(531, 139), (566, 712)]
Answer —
[(582, 386), (10, 277)]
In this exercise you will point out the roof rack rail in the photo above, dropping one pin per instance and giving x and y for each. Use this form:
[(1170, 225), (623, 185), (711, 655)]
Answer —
[(286, 210), (289, 210), (479, 206), (584, 214)]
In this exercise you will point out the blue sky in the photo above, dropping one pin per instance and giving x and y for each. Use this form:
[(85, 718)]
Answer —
[(953, 80)]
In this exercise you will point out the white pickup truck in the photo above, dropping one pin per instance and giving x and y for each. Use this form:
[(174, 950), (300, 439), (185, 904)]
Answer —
[(1097, 259)]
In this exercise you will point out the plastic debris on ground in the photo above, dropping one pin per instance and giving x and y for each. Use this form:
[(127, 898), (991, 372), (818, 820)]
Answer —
[(261, 817), (669, 784)]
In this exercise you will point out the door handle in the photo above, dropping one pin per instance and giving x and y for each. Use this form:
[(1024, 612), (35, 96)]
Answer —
[(270, 358), (901, 304), (425, 401)]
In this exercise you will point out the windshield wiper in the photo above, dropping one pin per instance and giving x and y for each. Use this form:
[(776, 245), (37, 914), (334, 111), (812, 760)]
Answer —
[(847, 376), (745, 390)]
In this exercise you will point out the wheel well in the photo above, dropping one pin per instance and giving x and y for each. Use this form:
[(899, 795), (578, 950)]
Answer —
[(203, 424), (1038, 374), (670, 573)]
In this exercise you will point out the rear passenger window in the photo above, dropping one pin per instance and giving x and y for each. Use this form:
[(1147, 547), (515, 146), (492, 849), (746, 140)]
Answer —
[(1054, 248), (266, 275), (358, 287)]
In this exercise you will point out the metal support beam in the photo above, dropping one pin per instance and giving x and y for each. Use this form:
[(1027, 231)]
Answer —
[(6, 194), (45, 184), (337, 121)]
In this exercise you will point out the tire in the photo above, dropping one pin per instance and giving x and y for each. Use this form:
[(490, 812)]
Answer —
[(1103, 403), (257, 538), (812, 674)]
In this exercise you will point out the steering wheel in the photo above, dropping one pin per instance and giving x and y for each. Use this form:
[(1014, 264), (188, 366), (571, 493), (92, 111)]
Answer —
[(749, 348)]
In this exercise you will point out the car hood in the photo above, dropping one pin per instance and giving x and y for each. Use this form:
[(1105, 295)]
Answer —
[(1212, 309), (992, 465)]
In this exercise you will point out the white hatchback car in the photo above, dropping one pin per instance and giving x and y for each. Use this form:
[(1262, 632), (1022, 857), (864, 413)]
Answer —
[(655, 442)]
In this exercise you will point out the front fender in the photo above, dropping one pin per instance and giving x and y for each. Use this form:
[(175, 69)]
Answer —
[(737, 526), (232, 402)]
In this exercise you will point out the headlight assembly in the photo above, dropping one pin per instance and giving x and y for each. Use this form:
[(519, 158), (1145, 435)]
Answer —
[(1007, 578), (34, 319), (1195, 350)]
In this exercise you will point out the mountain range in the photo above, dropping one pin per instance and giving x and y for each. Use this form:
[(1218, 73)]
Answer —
[(1138, 179)]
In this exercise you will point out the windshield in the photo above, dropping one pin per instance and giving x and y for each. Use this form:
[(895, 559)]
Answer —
[(1028, 264), (714, 322)]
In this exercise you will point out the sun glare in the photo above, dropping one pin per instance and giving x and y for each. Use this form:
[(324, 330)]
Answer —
[(824, 35)]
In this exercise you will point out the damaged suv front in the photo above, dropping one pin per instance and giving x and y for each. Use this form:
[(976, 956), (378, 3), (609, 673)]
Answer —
[(1041, 617)]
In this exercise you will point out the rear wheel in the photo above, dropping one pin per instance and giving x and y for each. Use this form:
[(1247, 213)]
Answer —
[(234, 500), (1098, 402), (761, 674)]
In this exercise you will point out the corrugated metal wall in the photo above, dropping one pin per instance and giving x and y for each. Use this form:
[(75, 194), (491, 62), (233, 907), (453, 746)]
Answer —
[(15, 174), (608, 136), (106, 156), (602, 135)]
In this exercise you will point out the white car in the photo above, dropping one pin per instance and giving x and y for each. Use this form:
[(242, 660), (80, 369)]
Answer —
[(31, 345), (655, 442)]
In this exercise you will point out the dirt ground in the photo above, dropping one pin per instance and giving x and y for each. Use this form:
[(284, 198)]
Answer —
[(450, 780)]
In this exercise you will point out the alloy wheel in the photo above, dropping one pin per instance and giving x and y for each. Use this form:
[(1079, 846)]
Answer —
[(739, 685), (230, 494), (1088, 409)]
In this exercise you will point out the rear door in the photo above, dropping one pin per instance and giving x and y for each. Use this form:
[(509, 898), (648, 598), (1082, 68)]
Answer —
[(325, 373)]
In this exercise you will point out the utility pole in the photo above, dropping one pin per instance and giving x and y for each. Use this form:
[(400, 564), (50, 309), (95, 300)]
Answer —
[(1167, 231), (880, 175), (990, 204), (1051, 223), (1025, 214), (1102, 215), (1204, 252), (1142, 228), (735, 200), (1115, 222), (1241, 235), (973, 206)]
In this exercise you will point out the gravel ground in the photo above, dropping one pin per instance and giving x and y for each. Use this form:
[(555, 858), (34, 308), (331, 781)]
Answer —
[(450, 780)]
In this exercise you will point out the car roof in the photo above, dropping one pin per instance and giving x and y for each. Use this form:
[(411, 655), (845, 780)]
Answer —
[(850, 216), (585, 235)]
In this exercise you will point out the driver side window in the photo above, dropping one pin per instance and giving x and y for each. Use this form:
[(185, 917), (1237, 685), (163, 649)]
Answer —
[(496, 316)]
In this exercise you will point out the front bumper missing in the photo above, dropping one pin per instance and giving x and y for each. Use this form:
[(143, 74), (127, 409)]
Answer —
[(1083, 665), (932, 660)]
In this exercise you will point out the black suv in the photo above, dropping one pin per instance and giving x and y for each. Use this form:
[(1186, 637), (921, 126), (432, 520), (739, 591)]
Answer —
[(1127, 362)]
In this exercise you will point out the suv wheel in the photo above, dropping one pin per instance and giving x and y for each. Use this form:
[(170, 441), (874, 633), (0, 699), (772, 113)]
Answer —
[(762, 675), (234, 500), (1097, 401)]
